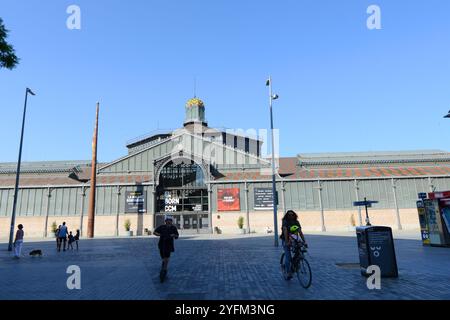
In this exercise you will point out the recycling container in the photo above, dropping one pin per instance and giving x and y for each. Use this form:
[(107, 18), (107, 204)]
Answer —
[(376, 247)]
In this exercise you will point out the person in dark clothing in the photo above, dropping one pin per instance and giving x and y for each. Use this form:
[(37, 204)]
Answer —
[(58, 243), (166, 233), (77, 238), (62, 236), (71, 241), (289, 221)]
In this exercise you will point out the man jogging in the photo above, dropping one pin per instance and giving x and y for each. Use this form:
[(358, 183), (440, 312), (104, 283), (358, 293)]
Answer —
[(166, 233)]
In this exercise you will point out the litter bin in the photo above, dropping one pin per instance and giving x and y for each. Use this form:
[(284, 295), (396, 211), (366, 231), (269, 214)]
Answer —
[(376, 247)]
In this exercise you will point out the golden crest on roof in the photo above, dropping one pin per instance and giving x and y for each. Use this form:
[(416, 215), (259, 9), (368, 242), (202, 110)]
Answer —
[(195, 102)]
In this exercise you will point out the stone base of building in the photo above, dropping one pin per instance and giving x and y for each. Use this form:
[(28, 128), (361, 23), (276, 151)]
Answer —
[(226, 222), (311, 220)]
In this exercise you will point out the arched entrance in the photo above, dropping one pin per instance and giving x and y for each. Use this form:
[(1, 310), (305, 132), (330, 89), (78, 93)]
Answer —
[(183, 193)]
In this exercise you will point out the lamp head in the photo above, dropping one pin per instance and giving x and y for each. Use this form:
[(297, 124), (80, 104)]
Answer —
[(448, 115), (275, 96)]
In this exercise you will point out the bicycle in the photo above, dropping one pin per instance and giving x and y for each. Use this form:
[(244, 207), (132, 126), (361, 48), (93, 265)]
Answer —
[(299, 265)]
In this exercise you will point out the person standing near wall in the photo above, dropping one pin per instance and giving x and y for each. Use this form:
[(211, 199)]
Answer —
[(58, 243), (18, 242), (62, 236), (77, 238)]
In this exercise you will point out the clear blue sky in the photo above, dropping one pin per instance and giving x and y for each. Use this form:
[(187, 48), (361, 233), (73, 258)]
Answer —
[(342, 87)]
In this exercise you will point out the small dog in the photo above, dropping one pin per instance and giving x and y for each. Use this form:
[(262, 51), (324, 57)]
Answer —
[(36, 253)]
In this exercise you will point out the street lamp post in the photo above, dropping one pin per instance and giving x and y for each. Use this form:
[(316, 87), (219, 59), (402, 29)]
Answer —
[(274, 186), (16, 188)]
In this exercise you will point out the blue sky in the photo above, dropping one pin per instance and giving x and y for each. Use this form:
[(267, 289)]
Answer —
[(342, 87)]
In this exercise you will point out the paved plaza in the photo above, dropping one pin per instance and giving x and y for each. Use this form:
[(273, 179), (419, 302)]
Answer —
[(218, 267)]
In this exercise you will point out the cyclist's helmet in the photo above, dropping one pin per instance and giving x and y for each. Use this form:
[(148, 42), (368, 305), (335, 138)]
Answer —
[(294, 229)]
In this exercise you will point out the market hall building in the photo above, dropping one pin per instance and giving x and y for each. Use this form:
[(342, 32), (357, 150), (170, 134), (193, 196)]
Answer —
[(208, 178)]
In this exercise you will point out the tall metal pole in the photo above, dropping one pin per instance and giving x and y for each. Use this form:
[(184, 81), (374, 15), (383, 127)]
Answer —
[(83, 197), (16, 187), (247, 209), (322, 215), (430, 184), (47, 210), (397, 210), (274, 186), (210, 191), (367, 213), (357, 199), (118, 210), (91, 213)]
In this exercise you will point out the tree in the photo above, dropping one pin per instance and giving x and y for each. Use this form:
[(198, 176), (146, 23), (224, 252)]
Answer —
[(8, 58)]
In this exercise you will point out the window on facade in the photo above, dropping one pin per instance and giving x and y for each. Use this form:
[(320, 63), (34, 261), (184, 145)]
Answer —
[(182, 188), (181, 175)]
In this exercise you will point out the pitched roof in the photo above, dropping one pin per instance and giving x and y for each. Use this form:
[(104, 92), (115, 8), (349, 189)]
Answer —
[(43, 167), (370, 158)]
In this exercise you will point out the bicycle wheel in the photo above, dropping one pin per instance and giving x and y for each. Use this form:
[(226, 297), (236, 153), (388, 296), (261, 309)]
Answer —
[(304, 273), (282, 267)]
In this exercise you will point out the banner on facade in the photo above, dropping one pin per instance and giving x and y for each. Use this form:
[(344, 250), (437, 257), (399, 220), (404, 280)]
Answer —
[(228, 199), (135, 202), (263, 199)]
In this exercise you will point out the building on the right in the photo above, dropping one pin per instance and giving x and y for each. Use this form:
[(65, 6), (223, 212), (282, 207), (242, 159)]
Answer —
[(322, 187)]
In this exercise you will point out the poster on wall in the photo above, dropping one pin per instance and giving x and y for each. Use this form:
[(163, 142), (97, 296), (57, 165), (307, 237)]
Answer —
[(228, 199), (445, 212), (432, 213), (135, 202), (263, 199)]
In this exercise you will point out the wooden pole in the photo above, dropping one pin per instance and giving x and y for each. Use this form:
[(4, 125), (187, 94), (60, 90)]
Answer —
[(91, 212)]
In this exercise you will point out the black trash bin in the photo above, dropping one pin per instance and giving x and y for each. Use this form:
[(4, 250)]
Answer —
[(376, 247)]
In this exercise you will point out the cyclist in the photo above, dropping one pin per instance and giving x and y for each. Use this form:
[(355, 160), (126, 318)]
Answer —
[(290, 227)]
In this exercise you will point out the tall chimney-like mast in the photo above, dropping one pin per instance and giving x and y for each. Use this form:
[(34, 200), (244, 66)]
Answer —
[(91, 212)]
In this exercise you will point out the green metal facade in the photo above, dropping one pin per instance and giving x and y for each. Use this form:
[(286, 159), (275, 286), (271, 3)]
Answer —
[(298, 195)]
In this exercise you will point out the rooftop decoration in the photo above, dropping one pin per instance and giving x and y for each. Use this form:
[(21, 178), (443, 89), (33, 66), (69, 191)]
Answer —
[(195, 102)]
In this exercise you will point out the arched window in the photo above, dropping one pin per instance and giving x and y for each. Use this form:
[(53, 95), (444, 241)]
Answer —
[(186, 174), (182, 188)]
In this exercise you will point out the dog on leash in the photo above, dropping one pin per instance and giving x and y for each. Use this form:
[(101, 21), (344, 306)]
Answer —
[(36, 253)]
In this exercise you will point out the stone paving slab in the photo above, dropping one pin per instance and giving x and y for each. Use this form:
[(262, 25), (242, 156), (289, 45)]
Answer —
[(217, 267)]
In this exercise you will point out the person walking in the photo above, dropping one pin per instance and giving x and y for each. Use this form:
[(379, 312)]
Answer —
[(77, 238), (58, 243), (18, 241), (62, 236), (166, 233), (71, 241)]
